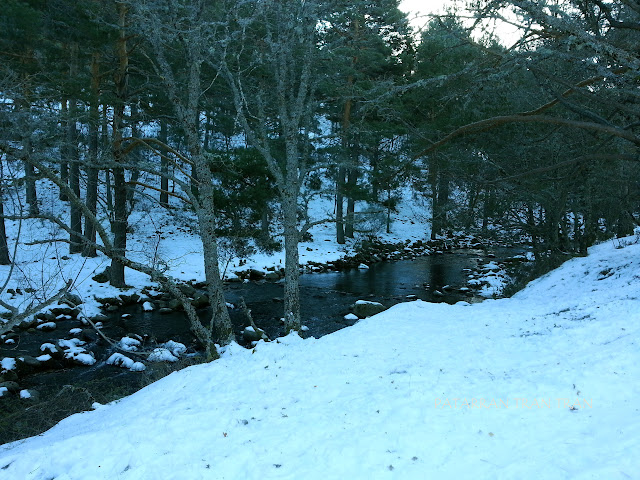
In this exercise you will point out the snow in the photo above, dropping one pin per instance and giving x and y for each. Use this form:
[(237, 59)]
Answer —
[(120, 360), (162, 355), (48, 347), (74, 351), (366, 302), (25, 394), (147, 306), (176, 348), (351, 316), (541, 385), (44, 358), (46, 325), (129, 344), (3, 391), (7, 363)]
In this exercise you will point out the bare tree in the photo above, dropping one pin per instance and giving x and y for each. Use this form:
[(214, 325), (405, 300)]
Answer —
[(190, 27), (269, 66)]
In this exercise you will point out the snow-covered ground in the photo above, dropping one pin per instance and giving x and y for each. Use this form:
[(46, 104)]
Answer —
[(543, 385)]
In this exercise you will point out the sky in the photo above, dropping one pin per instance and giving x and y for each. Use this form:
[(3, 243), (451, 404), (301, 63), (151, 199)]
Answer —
[(424, 7), (418, 9)]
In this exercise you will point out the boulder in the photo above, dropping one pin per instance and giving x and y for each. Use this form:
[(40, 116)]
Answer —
[(102, 277), (12, 387), (175, 305), (200, 301), (71, 299), (10, 376), (187, 289), (89, 335), (272, 276), (363, 308), (29, 394), (45, 316), (27, 323), (47, 327), (256, 274), (27, 365), (129, 299), (251, 334)]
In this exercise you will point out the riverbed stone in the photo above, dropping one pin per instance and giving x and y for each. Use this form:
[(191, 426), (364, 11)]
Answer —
[(200, 301), (187, 289), (89, 335), (251, 334), (12, 387), (27, 323), (175, 305), (29, 394), (102, 277), (71, 299), (272, 276), (65, 310), (47, 327), (363, 308), (129, 299), (10, 376), (256, 274), (108, 300), (45, 316), (26, 365)]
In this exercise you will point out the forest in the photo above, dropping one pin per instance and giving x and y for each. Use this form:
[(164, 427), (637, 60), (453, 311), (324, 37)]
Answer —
[(241, 112)]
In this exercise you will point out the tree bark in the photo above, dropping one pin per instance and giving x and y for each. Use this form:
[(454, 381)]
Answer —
[(89, 249), (4, 246), (164, 167), (75, 239), (119, 223), (292, 318), (340, 182)]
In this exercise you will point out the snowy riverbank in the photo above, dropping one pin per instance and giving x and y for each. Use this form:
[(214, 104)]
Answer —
[(541, 385)]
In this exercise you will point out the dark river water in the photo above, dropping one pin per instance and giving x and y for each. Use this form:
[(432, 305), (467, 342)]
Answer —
[(325, 299)]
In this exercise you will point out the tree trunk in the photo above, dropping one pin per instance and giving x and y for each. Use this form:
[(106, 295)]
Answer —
[(64, 149), (75, 240), (119, 223), (433, 182), (340, 181), (89, 249), (135, 158), (352, 180), (4, 246), (292, 318), (164, 167), (220, 320)]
